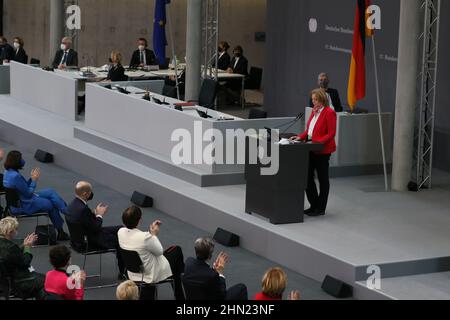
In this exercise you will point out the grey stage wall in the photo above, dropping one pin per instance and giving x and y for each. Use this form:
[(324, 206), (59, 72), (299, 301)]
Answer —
[(298, 55)]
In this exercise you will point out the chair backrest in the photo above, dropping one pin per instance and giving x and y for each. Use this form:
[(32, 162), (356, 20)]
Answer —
[(132, 261), (255, 79), (208, 93), (35, 61), (12, 198), (170, 91), (77, 237), (194, 290), (257, 114)]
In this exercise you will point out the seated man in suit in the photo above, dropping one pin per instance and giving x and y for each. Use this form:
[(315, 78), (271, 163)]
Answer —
[(20, 54), (223, 58), (209, 281), (239, 65), (142, 56), (66, 57), (333, 94), (6, 51), (99, 237)]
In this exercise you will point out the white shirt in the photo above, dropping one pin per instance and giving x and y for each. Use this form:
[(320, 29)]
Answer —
[(65, 53), (235, 63), (313, 123), (150, 250), (143, 54), (330, 101)]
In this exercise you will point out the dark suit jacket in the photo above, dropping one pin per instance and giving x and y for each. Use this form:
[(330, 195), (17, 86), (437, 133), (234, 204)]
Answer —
[(205, 278), (224, 61), (72, 58), (79, 213), (334, 94), (241, 67), (117, 73), (149, 56), (6, 53), (20, 56)]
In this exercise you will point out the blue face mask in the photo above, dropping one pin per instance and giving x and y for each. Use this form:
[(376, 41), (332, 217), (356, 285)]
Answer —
[(22, 163)]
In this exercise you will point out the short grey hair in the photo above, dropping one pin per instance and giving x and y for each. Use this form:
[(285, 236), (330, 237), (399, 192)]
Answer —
[(204, 248), (322, 74), (67, 39), (8, 225)]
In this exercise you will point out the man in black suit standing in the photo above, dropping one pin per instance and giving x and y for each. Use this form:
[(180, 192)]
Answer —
[(333, 94), (209, 282), (66, 57), (6, 51), (143, 56), (91, 222)]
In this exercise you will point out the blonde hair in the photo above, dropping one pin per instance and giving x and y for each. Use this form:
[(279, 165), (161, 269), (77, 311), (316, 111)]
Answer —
[(117, 56), (8, 225), (274, 282), (127, 290), (321, 96)]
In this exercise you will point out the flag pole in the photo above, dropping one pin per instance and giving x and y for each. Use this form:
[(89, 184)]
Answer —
[(377, 86), (175, 62)]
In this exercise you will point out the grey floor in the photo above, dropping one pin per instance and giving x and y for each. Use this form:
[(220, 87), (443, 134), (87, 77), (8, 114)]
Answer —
[(244, 267)]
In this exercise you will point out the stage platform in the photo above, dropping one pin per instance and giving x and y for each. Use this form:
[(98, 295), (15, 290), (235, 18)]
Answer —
[(406, 234)]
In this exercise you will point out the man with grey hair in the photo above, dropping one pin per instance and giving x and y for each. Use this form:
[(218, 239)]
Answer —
[(66, 56), (333, 95), (91, 223), (204, 282)]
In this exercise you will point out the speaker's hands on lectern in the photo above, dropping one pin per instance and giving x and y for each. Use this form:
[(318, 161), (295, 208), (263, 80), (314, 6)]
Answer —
[(295, 138)]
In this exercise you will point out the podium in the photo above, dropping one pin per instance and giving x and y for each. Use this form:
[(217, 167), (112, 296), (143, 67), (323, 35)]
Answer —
[(279, 197)]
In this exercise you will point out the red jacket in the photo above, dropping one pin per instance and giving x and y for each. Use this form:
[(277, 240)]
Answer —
[(56, 283), (324, 130), (261, 297)]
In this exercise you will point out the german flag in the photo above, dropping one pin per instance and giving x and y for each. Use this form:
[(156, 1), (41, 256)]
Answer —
[(357, 78)]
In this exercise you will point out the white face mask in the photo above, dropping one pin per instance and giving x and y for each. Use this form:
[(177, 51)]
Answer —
[(141, 48), (63, 46), (16, 45)]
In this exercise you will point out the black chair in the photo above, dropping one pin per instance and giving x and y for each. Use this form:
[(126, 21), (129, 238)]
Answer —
[(35, 61), (253, 82), (170, 92), (194, 291), (5, 282), (133, 263), (13, 209), (257, 114), (208, 93), (80, 244)]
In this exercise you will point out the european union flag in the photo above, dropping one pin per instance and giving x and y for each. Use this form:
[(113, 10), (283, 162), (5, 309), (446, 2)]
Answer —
[(159, 30)]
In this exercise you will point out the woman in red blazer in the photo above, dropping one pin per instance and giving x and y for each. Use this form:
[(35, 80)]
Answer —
[(321, 128)]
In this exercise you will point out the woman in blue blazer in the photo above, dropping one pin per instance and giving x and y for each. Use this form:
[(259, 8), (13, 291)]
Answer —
[(46, 200)]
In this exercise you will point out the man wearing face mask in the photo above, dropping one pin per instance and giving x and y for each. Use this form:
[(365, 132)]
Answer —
[(239, 63), (19, 52), (6, 51), (142, 56), (66, 57), (91, 223), (333, 94), (223, 58)]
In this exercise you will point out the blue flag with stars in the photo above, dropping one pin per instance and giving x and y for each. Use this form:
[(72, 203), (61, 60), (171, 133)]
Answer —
[(159, 31)]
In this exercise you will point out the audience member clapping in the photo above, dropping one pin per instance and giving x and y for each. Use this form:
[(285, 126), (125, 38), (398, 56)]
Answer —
[(274, 284)]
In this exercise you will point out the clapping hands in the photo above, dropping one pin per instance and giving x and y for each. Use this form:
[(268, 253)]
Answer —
[(221, 261), (30, 240)]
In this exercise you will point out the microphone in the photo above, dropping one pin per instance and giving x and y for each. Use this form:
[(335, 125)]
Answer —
[(290, 124)]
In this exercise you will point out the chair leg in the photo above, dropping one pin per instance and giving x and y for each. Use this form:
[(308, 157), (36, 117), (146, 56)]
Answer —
[(100, 267)]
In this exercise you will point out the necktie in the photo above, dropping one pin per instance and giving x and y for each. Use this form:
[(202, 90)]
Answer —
[(142, 57), (64, 60)]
